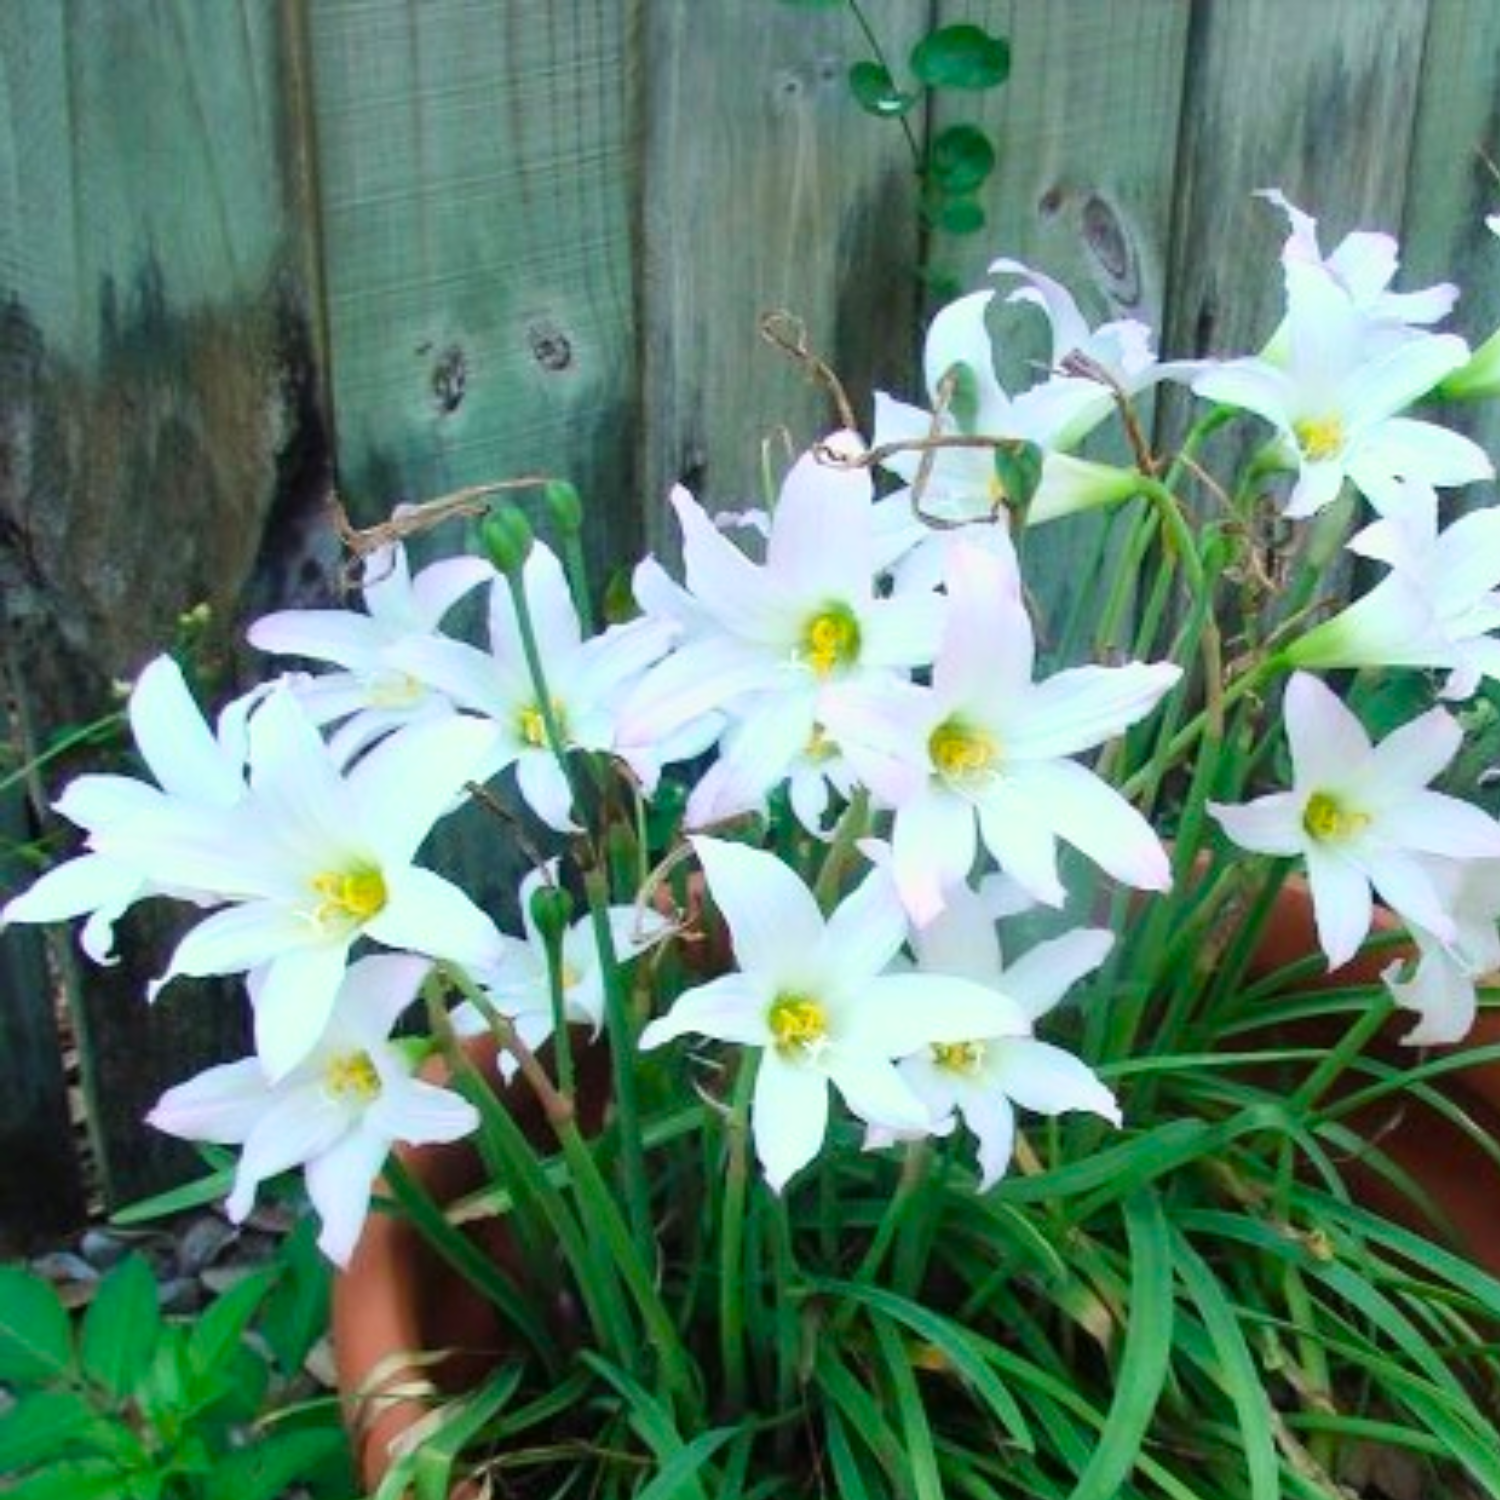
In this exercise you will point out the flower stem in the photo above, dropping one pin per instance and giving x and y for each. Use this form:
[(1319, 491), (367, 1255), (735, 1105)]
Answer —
[(732, 1237)]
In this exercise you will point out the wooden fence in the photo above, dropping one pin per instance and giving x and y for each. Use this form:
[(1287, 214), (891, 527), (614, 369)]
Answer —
[(251, 247)]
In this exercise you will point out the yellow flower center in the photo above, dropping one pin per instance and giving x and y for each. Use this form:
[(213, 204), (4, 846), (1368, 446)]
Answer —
[(531, 723), (395, 690), (830, 640), (959, 1057), (960, 752), (350, 895), (352, 1076), (568, 976), (1319, 437), (1326, 819), (798, 1024)]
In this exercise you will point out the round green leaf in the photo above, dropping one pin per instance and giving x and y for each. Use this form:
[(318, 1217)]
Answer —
[(961, 158), (875, 90), (958, 215), (36, 1345), (961, 57)]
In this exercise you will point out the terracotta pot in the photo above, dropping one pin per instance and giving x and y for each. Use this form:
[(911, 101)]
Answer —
[(396, 1297), (1462, 1180)]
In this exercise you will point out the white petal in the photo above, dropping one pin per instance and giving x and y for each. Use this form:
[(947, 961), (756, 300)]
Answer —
[(375, 991), (545, 789), (821, 530), (339, 1181), (1268, 825), (900, 1013), (90, 882), (293, 998), (789, 1117), (177, 744), (437, 588), (730, 1008), (1019, 833), (1079, 709), (222, 1104), (875, 1091), (1342, 904), (932, 847), (244, 937), (299, 1125), (774, 922), (1043, 975), (1328, 743), (1046, 1079), (1092, 816), (993, 1122), (424, 913), (419, 1113), (866, 930)]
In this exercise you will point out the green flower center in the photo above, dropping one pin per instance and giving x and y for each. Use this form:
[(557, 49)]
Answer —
[(353, 1077), (959, 1057), (830, 640), (1328, 821), (349, 895), (961, 752), (1319, 437), (798, 1024)]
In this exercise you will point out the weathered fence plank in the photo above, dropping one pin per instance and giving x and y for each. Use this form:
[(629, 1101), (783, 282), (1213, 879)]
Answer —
[(157, 405), (1453, 181), (766, 189), (477, 185), (1086, 129)]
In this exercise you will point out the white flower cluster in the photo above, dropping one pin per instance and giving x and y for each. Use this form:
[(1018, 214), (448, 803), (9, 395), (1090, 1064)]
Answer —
[(877, 654)]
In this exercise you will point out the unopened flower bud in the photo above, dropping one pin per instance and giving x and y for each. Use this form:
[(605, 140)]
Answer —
[(551, 910), (505, 534), (566, 505)]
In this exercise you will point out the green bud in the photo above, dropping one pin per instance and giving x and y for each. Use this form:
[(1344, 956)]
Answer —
[(551, 910), (505, 534), (566, 505)]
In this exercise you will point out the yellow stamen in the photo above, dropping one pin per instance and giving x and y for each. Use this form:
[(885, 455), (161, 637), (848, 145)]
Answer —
[(1326, 819), (395, 690), (959, 1057), (960, 752), (820, 745), (353, 895), (830, 640), (351, 1075), (1319, 437), (532, 723), (569, 976), (798, 1024)]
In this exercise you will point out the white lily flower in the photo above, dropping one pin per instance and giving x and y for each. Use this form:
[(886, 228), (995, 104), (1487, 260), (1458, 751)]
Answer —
[(1441, 987), (1364, 264), (521, 988), (988, 754), (960, 485), (585, 681), (194, 766), (1437, 607), (372, 692), (336, 1114), (982, 1079), (1361, 816), (815, 997), (1336, 406), (771, 638), (313, 860)]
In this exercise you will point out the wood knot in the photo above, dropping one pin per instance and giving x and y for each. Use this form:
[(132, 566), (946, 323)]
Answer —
[(449, 380), (550, 346), (1109, 243)]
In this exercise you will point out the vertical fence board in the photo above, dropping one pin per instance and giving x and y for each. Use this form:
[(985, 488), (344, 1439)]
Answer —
[(1086, 131), (156, 401), (1454, 181), (477, 185), (41, 1188), (765, 188)]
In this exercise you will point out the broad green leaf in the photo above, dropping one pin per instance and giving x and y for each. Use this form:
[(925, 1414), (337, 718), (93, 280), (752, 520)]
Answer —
[(1146, 1355), (218, 1330), (875, 90), (36, 1345), (961, 57), (270, 1465), (47, 1425), (79, 1479), (121, 1327), (961, 158), (294, 1313)]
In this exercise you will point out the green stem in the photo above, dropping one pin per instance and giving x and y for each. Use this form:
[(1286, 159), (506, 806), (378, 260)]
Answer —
[(622, 1052), (1353, 1042), (873, 42), (732, 1238)]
